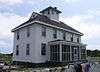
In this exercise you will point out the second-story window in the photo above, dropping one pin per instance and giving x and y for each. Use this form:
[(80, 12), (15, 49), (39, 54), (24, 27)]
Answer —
[(72, 38), (78, 39), (17, 49), (52, 12), (43, 31), (17, 35), (28, 49), (54, 33), (28, 31), (48, 12), (64, 35)]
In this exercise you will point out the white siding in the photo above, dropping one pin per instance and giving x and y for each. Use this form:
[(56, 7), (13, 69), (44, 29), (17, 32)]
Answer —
[(22, 41), (54, 16), (35, 41)]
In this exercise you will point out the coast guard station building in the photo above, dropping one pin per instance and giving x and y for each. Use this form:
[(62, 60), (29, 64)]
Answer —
[(45, 38)]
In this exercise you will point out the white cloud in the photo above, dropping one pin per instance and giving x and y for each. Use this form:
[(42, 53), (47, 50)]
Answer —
[(87, 25), (93, 47), (32, 2), (94, 12), (11, 2), (7, 22), (70, 1)]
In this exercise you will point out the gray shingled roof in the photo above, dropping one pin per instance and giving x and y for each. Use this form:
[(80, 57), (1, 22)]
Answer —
[(45, 19)]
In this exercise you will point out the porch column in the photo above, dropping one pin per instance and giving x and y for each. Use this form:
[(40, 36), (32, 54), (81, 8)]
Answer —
[(60, 52), (70, 53)]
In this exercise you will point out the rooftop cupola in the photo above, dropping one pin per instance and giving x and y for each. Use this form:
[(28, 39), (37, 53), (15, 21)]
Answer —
[(51, 12)]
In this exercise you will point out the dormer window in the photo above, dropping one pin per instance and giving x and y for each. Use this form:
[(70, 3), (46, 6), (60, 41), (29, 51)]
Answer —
[(33, 15)]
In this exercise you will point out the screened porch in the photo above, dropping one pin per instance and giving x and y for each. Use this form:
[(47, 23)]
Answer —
[(63, 51)]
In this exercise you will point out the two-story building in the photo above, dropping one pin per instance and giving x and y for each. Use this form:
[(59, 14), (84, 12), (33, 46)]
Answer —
[(44, 38)]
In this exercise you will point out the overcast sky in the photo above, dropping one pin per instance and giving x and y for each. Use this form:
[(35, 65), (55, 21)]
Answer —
[(83, 15)]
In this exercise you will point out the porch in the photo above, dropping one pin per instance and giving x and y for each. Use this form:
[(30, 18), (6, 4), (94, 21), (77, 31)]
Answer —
[(64, 51)]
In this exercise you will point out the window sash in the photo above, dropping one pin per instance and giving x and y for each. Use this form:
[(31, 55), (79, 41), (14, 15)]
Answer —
[(55, 52), (78, 39), (43, 49), (28, 31), (72, 38), (64, 36), (54, 33), (17, 35), (17, 50), (44, 31), (28, 49)]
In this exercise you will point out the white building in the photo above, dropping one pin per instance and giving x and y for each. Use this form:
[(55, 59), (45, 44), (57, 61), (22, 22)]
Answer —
[(44, 38)]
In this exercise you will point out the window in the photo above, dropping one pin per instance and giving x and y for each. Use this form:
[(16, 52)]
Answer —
[(72, 38), (78, 52), (43, 31), (83, 52), (43, 49), (64, 36), (75, 50), (54, 52), (17, 50), (54, 33), (17, 35), (48, 12), (28, 49), (72, 51), (78, 39), (65, 53), (52, 12), (28, 31), (75, 53)]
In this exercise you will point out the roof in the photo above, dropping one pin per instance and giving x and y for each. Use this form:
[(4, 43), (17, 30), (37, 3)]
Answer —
[(50, 8), (45, 19), (59, 40)]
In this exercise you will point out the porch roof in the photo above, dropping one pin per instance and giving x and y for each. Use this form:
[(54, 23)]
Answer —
[(66, 42)]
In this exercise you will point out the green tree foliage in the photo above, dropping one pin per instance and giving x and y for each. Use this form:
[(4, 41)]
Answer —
[(6, 57), (94, 53)]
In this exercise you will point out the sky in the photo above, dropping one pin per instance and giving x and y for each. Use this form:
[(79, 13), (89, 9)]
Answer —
[(82, 15)]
